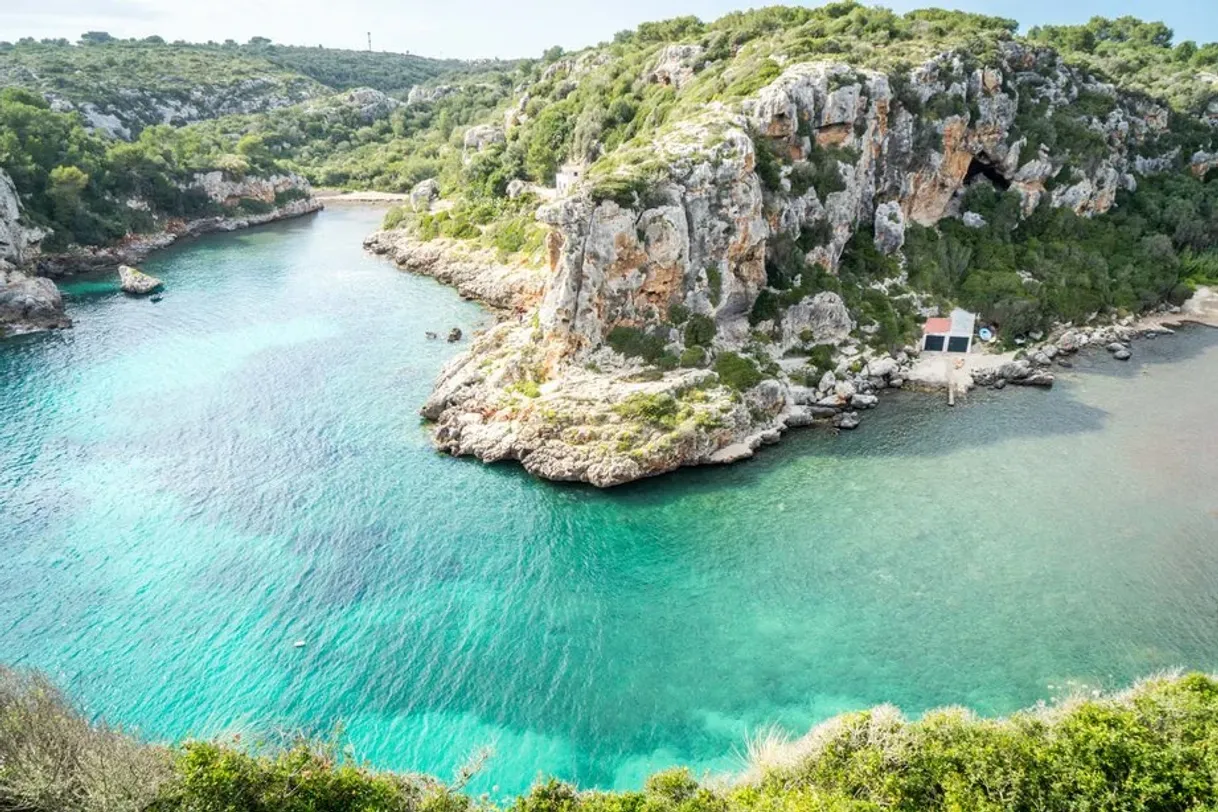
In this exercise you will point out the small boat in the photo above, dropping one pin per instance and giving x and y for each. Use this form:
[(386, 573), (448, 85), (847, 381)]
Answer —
[(298, 644)]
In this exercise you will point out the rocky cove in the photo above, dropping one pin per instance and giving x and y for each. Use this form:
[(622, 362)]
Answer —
[(29, 299)]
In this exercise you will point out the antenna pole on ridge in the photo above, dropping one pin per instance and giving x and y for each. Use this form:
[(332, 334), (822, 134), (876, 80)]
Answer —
[(369, 40)]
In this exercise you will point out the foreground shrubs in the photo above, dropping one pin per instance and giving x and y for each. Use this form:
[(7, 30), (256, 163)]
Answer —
[(1154, 747)]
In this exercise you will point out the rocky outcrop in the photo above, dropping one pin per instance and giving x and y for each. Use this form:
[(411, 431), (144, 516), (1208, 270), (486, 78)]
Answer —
[(18, 241), (658, 336), (27, 303), (480, 137), (230, 191), (423, 194), (677, 64), (476, 274), (136, 282)]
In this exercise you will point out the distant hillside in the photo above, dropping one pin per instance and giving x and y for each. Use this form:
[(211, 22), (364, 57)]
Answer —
[(122, 86)]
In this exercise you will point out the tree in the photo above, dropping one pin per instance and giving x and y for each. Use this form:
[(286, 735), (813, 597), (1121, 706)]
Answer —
[(95, 38), (67, 184)]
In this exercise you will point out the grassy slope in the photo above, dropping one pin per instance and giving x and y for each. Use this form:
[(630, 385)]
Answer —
[(1154, 747)]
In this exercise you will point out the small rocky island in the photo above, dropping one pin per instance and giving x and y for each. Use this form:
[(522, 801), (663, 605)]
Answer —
[(136, 282)]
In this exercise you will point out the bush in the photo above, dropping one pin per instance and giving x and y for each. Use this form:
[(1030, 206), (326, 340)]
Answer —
[(660, 409), (765, 307), (635, 343), (737, 372), (700, 331), (693, 357), (1149, 748)]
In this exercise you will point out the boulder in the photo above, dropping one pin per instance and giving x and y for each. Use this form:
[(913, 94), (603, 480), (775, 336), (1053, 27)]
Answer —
[(515, 188), (29, 303), (1122, 355), (825, 316), (454, 335), (881, 367), (423, 194), (136, 282), (864, 401), (1037, 377), (889, 227), (973, 220), (847, 420), (1115, 346)]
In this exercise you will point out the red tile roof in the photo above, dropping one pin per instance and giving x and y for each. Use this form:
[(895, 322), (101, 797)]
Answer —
[(937, 326)]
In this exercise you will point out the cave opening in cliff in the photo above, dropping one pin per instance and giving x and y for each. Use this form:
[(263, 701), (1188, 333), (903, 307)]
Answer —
[(982, 167)]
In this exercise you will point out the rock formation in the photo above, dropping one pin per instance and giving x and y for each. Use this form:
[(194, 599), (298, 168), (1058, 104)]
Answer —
[(655, 338), (27, 303), (136, 282)]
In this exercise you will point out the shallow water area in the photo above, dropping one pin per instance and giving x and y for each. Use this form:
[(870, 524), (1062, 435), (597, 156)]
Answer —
[(189, 487)]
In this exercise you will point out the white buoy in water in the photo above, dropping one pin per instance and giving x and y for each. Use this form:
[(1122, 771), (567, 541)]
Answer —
[(299, 644)]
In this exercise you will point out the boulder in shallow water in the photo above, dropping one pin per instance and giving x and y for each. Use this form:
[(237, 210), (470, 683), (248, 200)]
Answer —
[(454, 335), (136, 282), (847, 420), (1122, 354)]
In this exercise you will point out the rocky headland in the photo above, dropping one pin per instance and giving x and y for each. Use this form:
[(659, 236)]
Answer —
[(659, 331)]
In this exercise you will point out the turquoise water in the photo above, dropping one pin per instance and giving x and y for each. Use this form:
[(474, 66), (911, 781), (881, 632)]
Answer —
[(189, 487)]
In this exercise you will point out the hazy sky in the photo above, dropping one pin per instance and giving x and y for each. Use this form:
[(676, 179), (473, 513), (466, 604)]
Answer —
[(487, 28)]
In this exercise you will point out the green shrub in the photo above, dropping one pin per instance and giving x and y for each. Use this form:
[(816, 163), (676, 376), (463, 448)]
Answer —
[(660, 409), (678, 314), (692, 357), (765, 307), (636, 343), (736, 371), (714, 283), (700, 331)]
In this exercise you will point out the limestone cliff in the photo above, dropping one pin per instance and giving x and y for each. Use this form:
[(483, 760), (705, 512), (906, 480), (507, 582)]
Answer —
[(690, 279), (26, 302)]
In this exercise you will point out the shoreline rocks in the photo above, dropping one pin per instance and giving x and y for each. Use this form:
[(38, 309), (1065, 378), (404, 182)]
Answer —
[(29, 303)]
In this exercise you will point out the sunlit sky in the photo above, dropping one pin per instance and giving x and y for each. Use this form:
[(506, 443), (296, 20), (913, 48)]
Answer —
[(486, 28)]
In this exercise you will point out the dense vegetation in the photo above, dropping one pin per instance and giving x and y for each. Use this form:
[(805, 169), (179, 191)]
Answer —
[(102, 70), (1154, 747), (603, 107)]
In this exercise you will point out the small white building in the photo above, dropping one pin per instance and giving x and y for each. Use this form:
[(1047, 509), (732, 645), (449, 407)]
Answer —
[(952, 334), (568, 176)]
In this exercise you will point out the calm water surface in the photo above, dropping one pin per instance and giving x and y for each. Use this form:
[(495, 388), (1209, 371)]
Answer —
[(189, 487)]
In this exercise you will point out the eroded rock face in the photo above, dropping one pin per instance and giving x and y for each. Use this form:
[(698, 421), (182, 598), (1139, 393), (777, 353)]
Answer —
[(681, 269), (229, 191), (27, 302), (18, 242)]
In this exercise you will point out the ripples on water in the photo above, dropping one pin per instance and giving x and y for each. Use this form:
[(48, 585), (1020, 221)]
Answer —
[(191, 486)]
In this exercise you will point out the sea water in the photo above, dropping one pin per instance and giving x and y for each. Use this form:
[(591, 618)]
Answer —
[(190, 487)]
